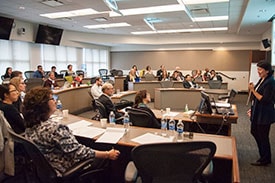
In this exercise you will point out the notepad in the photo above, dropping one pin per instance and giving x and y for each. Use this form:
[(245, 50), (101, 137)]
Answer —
[(149, 138), (111, 135)]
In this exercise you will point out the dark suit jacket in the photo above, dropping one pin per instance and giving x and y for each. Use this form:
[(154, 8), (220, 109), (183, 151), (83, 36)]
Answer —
[(262, 111), (154, 123), (48, 83), (109, 106), (13, 117), (159, 74), (186, 84)]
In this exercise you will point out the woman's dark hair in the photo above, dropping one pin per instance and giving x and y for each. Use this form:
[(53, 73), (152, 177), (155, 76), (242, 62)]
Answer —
[(148, 67), (4, 89), (140, 96), (35, 106), (70, 65), (6, 75), (266, 66)]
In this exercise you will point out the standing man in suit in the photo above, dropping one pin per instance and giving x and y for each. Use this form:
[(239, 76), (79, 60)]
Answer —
[(105, 99)]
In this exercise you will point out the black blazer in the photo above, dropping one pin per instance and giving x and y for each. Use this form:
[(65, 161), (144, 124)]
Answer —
[(186, 84), (154, 123), (109, 106), (262, 111)]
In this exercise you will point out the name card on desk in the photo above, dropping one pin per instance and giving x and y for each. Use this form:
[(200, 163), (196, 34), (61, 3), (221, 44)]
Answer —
[(111, 135)]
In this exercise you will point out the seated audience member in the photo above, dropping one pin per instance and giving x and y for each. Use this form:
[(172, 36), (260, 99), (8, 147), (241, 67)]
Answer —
[(39, 73), (21, 88), (55, 140), (188, 83), (70, 71), (96, 89), (79, 78), (8, 95), (179, 73), (176, 76), (206, 75), (105, 99), (53, 69), (215, 76), (162, 73), (8, 72), (16, 74), (148, 70), (50, 82), (198, 76), (132, 75), (136, 71), (142, 98)]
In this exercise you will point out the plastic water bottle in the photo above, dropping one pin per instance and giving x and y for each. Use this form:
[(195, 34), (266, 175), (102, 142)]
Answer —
[(126, 121), (171, 125), (180, 127), (112, 118), (59, 109), (186, 108), (163, 126)]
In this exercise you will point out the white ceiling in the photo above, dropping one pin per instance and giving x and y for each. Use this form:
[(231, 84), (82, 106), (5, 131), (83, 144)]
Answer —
[(248, 21)]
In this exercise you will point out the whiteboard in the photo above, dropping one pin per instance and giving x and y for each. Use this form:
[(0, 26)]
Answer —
[(254, 77)]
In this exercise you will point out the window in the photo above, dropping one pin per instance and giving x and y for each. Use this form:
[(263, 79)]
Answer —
[(15, 54), (95, 59)]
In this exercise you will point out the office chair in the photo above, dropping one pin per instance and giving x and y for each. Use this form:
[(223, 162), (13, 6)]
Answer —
[(228, 98), (149, 77), (63, 72), (41, 171), (101, 109), (167, 84), (119, 73), (33, 82), (139, 117), (78, 72), (2, 77), (103, 74), (28, 74), (92, 99), (215, 84), (173, 162)]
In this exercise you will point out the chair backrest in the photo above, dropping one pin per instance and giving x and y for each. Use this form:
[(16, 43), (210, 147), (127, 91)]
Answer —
[(33, 82), (44, 171), (101, 109), (232, 95), (167, 84), (63, 72), (140, 117), (215, 84), (103, 72), (149, 77), (173, 162), (119, 73), (2, 77), (28, 74), (78, 72)]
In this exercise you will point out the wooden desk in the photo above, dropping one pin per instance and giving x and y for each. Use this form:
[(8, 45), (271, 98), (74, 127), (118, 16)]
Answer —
[(226, 167), (75, 99), (151, 85), (119, 82), (127, 95)]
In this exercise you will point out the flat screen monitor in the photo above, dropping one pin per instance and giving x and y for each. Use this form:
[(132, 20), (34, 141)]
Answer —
[(5, 27), (205, 104), (48, 35)]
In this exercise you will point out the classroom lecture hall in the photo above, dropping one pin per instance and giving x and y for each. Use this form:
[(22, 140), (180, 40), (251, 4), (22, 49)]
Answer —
[(171, 49)]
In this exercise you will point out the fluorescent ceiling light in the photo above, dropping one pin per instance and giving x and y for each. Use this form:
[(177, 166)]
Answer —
[(186, 2), (214, 18), (100, 26), (113, 6), (181, 30), (150, 24), (74, 13), (151, 10)]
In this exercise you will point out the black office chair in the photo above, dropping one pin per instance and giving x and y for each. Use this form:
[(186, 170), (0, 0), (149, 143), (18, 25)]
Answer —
[(33, 82), (228, 98), (103, 74), (173, 162), (92, 99), (78, 72), (101, 109), (2, 77), (63, 72), (166, 84), (28, 74), (139, 117), (215, 84), (41, 170)]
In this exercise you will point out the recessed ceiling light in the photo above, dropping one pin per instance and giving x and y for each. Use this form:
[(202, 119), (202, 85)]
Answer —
[(122, 24), (74, 13), (201, 1), (214, 18)]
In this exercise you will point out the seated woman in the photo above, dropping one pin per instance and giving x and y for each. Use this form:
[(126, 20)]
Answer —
[(21, 88), (142, 98), (8, 95), (54, 139), (7, 74)]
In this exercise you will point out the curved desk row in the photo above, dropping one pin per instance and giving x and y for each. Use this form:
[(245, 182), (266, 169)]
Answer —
[(226, 167), (151, 85)]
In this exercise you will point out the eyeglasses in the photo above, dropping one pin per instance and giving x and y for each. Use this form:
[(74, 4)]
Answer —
[(13, 91), (51, 99)]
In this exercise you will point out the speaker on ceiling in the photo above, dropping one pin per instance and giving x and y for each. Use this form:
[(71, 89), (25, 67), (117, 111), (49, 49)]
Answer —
[(266, 43)]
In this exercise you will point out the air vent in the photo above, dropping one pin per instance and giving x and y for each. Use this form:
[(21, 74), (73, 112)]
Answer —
[(52, 3), (199, 11)]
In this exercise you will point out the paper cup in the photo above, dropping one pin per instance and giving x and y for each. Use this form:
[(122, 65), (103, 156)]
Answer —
[(103, 122), (168, 110), (65, 113)]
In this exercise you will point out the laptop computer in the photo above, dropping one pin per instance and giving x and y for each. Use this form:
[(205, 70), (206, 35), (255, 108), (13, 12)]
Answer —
[(223, 110)]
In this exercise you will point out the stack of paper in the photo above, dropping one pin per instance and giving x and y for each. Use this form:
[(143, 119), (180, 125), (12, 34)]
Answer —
[(149, 138), (111, 135)]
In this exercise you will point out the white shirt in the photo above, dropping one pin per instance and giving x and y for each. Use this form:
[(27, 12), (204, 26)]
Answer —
[(96, 91)]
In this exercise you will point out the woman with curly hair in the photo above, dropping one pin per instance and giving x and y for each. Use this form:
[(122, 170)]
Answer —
[(56, 140)]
